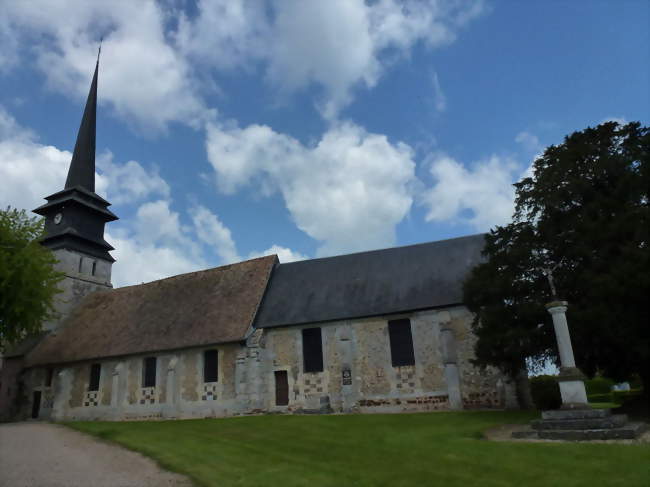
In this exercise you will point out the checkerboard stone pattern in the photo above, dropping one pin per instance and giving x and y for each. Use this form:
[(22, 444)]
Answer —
[(406, 379), (91, 398), (48, 399), (314, 384), (209, 391), (148, 395)]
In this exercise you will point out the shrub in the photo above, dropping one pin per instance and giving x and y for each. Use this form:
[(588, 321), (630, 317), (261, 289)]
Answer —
[(545, 392), (621, 397), (599, 385), (600, 397)]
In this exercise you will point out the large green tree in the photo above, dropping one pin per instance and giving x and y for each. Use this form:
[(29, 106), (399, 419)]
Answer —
[(584, 214), (28, 281)]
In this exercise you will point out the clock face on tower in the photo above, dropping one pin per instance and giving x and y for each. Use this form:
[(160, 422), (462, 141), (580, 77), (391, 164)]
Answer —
[(57, 218)]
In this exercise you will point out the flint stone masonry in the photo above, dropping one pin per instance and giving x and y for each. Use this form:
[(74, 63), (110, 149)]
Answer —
[(357, 375), (79, 281)]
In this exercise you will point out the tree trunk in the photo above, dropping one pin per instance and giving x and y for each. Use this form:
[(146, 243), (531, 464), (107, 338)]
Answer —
[(522, 384)]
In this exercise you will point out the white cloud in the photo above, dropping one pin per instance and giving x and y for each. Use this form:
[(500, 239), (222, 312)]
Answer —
[(439, 98), (30, 171), (340, 44), (337, 45), (348, 191), (528, 141), (146, 80), (159, 59), (482, 196), (143, 262), (128, 182), (211, 231), (284, 254)]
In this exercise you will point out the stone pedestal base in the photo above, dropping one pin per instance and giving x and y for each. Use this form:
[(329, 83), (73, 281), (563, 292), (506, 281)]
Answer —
[(574, 395), (582, 424), (572, 388)]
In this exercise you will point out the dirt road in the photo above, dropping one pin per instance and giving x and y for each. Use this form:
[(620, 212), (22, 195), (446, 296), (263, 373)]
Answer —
[(47, 455)]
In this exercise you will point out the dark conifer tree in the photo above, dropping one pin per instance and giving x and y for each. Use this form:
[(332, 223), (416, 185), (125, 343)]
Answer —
[(584, 213)]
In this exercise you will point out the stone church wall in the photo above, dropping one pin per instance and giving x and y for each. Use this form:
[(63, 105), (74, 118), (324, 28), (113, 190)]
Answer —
[(357, 376)]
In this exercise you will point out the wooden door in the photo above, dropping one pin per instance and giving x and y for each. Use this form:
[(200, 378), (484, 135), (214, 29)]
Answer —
[(281, 388), (36, 405)]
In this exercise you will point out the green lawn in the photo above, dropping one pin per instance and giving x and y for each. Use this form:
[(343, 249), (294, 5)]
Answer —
[(372, 450)]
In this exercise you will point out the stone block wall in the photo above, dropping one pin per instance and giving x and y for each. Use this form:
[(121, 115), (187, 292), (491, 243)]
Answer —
[(357, 375)]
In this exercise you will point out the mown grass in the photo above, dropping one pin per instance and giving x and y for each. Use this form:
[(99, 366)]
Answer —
[(372, 450)]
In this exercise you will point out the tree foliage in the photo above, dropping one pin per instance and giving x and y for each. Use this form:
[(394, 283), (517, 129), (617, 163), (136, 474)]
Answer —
[(584, 212), (28, 281)]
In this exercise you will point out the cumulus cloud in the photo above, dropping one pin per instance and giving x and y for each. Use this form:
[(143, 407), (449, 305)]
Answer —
[(30, 171), (481, 196), (211, 231), (139, 262), (148, 82), (284, 254), (335, 45), (528, 141), (128, 182), (341, 44), (348, 191)]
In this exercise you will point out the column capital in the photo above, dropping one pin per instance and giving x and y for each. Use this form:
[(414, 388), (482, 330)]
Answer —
[(557, 306)]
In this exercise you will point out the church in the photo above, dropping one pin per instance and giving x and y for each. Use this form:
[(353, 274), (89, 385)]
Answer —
[(377, 331)]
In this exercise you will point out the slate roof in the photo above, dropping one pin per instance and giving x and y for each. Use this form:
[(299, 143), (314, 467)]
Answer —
[(200, 308), (379, 282)]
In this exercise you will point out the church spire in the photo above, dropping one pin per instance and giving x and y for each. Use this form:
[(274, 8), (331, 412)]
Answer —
[(75, 217), (82, 167)]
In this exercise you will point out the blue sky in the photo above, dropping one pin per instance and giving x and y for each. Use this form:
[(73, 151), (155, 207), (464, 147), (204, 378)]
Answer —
[(231, 129)]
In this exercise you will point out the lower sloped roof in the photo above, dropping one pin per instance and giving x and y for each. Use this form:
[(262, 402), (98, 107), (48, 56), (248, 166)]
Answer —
[(200, 308), (372, 283)]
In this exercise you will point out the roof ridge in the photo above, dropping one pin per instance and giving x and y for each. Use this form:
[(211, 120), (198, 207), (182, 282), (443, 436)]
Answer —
[(200, 271), (385, 249)]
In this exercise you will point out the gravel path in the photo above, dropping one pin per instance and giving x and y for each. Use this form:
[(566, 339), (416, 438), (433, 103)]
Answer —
[(48, 455)]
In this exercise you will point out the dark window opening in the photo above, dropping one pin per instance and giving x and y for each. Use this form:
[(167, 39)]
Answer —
[(81, 259), (281, 388), (312, 350), (36, 404), (49, 374), (149, 372), (95, 373), (94, 267), (210, 366), (401, 342)]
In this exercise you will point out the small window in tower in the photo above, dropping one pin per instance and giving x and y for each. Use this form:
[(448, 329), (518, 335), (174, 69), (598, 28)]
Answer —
[(81, 261), (49, 373), (401, 342), (210, 366), (94, 267), (149, 372), (95, 372), (312, 350)]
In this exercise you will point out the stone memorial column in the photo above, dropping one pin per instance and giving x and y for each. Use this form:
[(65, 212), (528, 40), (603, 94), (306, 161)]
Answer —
[(571, 379)]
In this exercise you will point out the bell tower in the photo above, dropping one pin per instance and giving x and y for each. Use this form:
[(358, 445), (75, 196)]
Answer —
[(75, 218)]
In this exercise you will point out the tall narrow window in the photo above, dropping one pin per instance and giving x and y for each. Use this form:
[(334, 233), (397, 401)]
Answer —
[(281, 388), (94, 267), (149, 372), (49, 373), (210, 366), (81, 261), (312, 350), (95, 372), (401, 342)]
